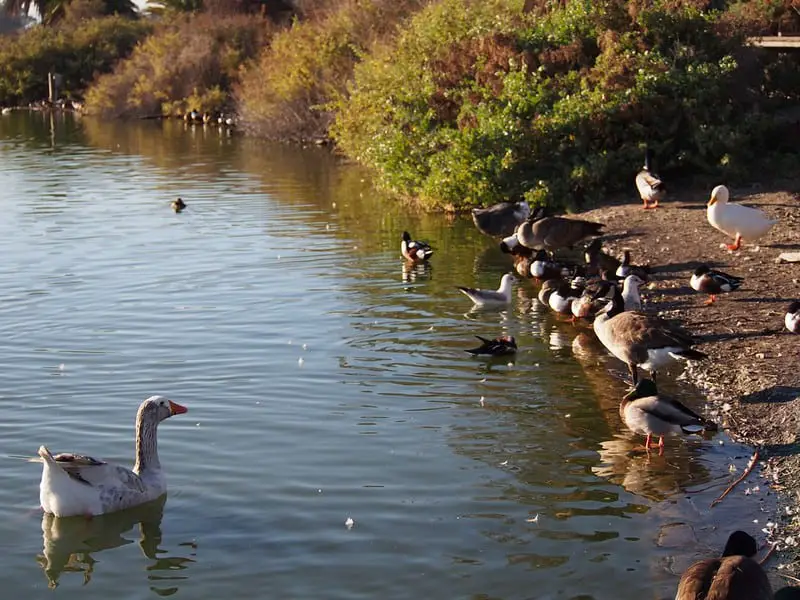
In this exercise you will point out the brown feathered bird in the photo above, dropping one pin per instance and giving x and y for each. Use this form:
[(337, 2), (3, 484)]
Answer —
[(733, 576), (552, 233)]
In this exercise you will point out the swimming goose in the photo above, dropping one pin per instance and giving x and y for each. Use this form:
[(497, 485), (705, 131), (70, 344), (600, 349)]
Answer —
[(646, 412), (500, 219), (484, 297), (73, 484), (178, 205), (412, 250), (733, 576), (642, 340), (552, 233), (499, 346), (739, 222), (792, 318), (650, 186), (713, 282), (630, 292)]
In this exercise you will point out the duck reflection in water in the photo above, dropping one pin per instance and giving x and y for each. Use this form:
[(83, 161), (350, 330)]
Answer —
[(417, 270), (69, 542)]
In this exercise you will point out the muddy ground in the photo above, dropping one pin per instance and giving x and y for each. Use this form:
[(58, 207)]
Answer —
[(752, 379)]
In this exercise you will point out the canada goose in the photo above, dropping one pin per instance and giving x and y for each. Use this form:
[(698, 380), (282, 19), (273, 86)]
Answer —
[(642, 340), (646, 412), (483, 297), (415, 251), (500, 219), (792, 318), (713, 282), (552, 233), (737, 221), (499, 346), (650, 186), (733, 576)]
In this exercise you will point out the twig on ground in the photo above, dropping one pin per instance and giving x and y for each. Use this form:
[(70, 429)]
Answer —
[(795, 579), (747, 470), (769, 554)]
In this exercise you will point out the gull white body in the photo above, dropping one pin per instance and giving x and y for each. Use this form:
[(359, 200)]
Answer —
[(630, 292), (488, 297)]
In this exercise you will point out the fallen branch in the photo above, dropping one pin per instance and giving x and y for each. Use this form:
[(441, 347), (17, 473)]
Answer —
[(747, 470), (769, 554), (795, 579)]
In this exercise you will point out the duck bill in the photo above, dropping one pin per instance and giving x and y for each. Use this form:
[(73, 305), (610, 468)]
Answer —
[(176, 409), (509, 243), (712, 201)]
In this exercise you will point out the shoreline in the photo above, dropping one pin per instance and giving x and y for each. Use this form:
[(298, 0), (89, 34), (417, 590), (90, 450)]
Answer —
[(751, 380)]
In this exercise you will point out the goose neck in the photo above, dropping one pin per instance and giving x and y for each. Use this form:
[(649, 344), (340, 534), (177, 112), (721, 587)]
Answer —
[(146, 444)]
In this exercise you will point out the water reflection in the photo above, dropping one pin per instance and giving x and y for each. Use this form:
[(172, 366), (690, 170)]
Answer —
[(71, 542)]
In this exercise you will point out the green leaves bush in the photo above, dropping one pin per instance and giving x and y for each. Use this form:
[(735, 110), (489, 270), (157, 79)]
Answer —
[(76, 50), (480, 102)]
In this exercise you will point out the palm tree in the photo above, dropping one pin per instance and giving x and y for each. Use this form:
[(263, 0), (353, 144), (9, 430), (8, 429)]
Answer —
[(52, 11)]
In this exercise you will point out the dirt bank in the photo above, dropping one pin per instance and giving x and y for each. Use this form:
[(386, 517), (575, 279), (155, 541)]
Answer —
[(752, 379)]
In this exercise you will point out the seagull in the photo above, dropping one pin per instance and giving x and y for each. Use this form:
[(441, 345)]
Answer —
[(484, 297)]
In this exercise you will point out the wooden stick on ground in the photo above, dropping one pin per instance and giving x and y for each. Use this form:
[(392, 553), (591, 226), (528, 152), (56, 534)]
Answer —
[(769, 554), (795, 579), (747, 470)]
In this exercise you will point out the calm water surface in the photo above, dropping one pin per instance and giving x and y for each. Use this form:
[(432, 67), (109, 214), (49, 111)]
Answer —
[(324, 382)]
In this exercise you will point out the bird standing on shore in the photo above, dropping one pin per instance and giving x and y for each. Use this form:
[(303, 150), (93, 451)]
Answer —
[(739, 222), (552, 233), (651, 188), (713, 282)]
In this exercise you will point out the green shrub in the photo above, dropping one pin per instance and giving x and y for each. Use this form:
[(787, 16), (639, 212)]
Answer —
[(480, 102), (287, 93), (78, 50), (189, 63)]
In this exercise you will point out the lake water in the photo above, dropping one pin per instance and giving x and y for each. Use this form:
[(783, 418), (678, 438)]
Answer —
[(324, 382)]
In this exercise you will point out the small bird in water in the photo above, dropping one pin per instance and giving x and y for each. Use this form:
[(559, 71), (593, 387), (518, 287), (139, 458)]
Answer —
[(792, 318), (646, 412), (178, 205), (483, 297), (649, 185), (413, 250), (499, 346), (713, 282)]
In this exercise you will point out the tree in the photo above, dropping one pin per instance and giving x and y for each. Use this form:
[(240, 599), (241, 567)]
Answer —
[(52, 11)]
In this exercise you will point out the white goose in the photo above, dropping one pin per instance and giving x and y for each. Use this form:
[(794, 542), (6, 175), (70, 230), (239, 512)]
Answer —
[(734, 220), (73, 484)]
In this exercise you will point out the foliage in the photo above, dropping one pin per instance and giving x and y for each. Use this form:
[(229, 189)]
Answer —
[(52, 12), (189, 63), (287, 92), (76, 49), (480, 102)]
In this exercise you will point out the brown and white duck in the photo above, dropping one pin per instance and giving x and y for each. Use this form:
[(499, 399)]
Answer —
[(414, 250), (792, 317), (74, 484), (650, 186), (178, 205), (733, 576), (641, 340), (712, 282), (646, 412)]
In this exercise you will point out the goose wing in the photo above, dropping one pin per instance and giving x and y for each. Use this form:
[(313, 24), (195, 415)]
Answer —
[(648, 331), (96, 473)]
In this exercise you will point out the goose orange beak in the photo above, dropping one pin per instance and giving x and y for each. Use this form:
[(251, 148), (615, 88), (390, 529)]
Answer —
[(176, 409)]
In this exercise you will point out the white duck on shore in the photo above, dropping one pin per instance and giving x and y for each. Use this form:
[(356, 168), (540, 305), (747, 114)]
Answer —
[(734, 220), (73, 484)]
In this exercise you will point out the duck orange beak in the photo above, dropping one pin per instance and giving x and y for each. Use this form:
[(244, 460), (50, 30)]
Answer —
[(176, 409), (712, 201)]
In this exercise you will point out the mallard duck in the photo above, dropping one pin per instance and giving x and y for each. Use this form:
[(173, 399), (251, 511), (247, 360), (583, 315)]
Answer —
[(500, 219), (178, 205), (412, 250), (499, 346), (484, 297), (713, 282), (641, 340), (552, 233), (563, 297), (542, 268), (590, 301), (73, 484), (734, 220), (650, 186), (522, 265), (646, 412), (792, 318), (626, 267), (630, 292), (733, 576), (597, 260)]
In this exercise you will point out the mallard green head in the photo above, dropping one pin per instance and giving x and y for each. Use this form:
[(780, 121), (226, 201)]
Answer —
[(644, 389)]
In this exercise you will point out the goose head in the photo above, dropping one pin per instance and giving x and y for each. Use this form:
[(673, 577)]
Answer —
[(719, 194), (740, 544), (157, 408)]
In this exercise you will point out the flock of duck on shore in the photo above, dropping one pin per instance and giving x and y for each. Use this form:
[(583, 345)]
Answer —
[(603, 289)]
